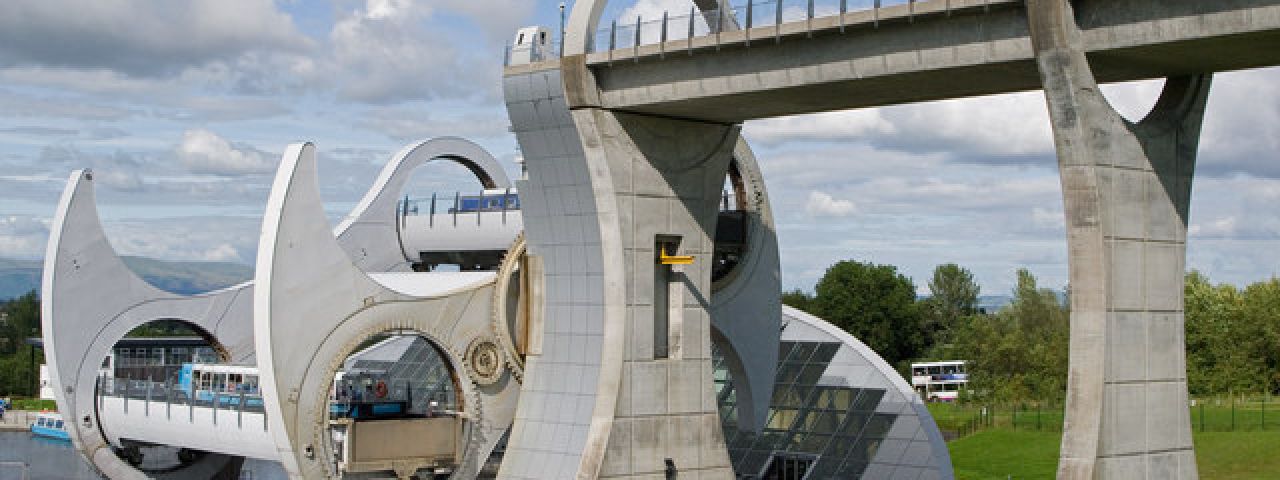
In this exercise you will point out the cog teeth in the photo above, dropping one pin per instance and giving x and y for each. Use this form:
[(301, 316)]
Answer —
[(498, 323)]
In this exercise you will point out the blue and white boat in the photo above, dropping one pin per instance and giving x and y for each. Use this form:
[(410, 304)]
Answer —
[(49, 425)]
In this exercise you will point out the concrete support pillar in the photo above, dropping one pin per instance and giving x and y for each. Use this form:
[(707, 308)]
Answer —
[(1126, 189), (666, 177), (602, 398)]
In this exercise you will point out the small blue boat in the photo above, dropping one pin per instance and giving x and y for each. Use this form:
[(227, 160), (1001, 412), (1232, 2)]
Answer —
[(49, 425)]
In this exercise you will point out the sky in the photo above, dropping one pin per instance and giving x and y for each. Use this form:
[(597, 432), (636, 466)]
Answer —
[(183, 109)]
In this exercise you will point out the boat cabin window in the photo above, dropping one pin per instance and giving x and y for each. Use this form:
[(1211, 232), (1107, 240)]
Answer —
[(520, 40), (57, 424), (40, 422)]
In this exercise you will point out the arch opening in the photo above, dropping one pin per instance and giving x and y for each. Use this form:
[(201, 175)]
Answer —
[(395, 404), (1133, 101), (152, 367), (445, 210), (732, 225)]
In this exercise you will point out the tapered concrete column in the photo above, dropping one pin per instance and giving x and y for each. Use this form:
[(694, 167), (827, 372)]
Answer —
[(666, 176), (1126, 188)]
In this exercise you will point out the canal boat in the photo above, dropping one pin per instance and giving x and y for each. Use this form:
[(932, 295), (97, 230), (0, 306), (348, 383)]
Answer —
[(49, 425)]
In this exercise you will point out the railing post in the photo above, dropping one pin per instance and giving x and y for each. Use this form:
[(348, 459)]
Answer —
[(844, 7), (240, 412), (719, 22), (215, 407), (875, 14), (777, 22), (613, 39), (746, 32), (635, 46), (168, 400), (457, 203), (125, 397), (431, 219), (911, 11), (146, 407), (689, 39), (808, 20), (191, 399), (506, 199), (948, 8), (480, 207), (662, 53)]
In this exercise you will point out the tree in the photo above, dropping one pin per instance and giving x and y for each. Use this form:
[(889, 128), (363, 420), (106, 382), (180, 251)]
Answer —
[(21, 319), (954, 294), (1020, 353), (1230, 335), (799, 299), (874, 303)]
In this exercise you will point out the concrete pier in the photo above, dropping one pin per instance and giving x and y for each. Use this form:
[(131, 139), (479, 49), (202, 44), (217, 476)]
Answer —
[(1126, 189)]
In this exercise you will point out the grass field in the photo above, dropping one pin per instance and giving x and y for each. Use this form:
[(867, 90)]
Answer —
[(1208, 415), (1002, 453)]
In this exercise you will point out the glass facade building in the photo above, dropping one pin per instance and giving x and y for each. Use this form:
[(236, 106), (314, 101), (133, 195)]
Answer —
[(837, 411)]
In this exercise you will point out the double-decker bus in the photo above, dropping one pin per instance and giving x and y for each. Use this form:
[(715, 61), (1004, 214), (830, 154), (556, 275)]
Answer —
[(939, 381)]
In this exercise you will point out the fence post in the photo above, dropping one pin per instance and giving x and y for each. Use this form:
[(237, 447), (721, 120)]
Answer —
[(1233, 413), (1037, 417), (1201, 417), (1266, 397), (1014, 420)]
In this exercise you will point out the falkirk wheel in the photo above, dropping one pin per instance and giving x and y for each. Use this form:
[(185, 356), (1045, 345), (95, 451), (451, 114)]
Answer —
[(590, 327)]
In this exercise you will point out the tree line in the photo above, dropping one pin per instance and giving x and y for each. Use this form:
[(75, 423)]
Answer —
[(19, 320), (1019, 353)]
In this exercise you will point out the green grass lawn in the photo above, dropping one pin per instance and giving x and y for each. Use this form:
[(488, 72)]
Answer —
[(1002, 453)]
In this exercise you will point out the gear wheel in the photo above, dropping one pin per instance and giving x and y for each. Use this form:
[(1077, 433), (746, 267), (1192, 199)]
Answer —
[(484, 361), (510, 261)]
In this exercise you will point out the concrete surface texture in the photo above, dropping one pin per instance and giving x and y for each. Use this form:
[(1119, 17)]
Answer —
[(1126, 190), (930, 50)]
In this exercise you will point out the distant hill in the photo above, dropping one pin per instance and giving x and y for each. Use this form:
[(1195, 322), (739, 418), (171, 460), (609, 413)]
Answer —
[(18, 277)]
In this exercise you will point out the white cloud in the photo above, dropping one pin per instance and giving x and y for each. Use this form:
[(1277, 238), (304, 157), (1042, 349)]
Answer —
[(223, 252), (824, 205), (830, 126), (203, 151), (23, 236), (1046, 218), (141, 37)]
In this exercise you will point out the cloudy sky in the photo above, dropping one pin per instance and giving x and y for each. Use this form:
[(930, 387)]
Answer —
[(183, 108)]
